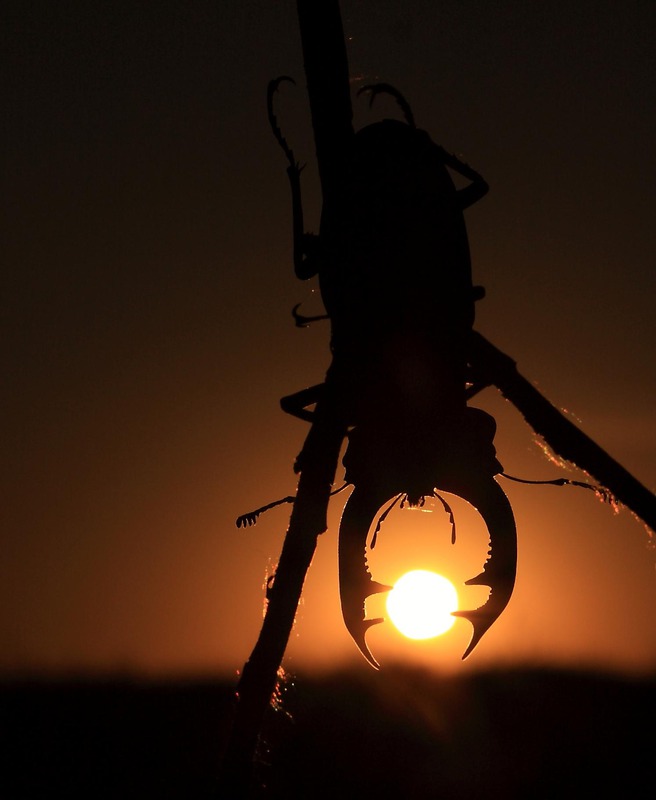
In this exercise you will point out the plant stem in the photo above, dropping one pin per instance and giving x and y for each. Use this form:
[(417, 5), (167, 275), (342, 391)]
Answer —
[(496, 368)]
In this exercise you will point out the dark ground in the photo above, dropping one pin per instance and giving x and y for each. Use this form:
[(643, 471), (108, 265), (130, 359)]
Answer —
[(398, 734)]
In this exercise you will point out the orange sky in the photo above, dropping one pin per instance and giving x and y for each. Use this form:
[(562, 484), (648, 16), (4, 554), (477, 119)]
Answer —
[(147, 330)]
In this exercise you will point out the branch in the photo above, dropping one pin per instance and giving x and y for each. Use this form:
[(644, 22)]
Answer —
[(493, 367)]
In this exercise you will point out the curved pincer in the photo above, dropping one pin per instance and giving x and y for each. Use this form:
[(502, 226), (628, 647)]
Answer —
[(499, 572), (355, 581)]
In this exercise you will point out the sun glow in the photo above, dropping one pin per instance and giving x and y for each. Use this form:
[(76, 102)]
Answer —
[(420, 604)]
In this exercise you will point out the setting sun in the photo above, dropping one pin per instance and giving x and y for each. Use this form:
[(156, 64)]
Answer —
[(420, 604)]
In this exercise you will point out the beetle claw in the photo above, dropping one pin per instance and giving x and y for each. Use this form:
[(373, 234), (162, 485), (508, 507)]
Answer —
[(358, 636), (356, 584), (500, 570), (353, 610), (481, 621), (355, 581)]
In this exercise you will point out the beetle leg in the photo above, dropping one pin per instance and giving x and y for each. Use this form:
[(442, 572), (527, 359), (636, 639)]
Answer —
[(298, 404), (379, 88), (306, 249), (251, 517), (355, 581), (273, 122), (303, 322)]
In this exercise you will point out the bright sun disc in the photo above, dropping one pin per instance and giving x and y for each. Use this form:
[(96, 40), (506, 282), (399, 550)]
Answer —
[(420, 604)]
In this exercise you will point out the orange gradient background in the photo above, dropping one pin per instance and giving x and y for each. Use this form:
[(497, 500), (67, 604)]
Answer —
[(148, 337)]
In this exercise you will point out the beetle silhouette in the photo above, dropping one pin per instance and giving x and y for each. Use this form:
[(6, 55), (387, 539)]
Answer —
[(394, 269)]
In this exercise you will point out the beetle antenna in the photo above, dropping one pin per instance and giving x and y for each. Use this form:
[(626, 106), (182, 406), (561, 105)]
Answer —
[(449, 511), (382, 518)]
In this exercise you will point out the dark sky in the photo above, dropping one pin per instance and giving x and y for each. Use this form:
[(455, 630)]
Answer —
[(147, 333)]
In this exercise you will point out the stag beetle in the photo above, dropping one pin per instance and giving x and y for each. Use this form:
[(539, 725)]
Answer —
[(393, 264)]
